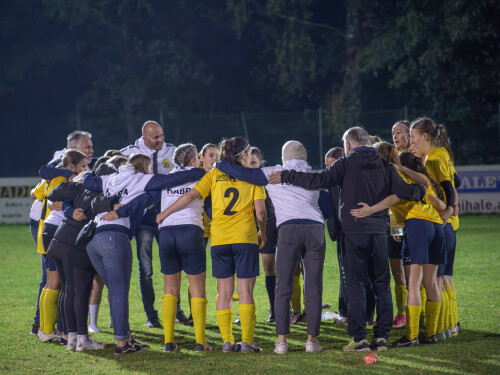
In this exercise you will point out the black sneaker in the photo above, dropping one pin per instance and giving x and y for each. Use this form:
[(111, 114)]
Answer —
[(34, 330), (154, 323), (138, 344), (127, 349), (63, 341), (182, 318), (270, 319), (427, 340), (403, 342), (378, 344), (325, 306)]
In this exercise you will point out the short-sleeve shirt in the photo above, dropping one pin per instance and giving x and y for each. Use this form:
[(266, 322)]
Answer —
[(233, 219), (441, 168)]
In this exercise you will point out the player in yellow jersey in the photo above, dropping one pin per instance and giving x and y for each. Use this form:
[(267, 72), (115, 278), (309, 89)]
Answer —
[(234, 240), (434, 146), (423, 250)]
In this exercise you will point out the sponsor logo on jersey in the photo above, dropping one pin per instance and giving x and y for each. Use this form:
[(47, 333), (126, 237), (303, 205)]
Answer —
[(225, 177), (180, 191)]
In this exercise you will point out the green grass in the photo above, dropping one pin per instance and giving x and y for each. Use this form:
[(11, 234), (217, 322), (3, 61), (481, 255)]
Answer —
[(477, 350)]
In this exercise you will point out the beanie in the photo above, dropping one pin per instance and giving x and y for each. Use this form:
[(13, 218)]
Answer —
[(293, 150)]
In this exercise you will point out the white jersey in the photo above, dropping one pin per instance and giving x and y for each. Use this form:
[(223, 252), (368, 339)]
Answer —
[(127, 185), (36, 210), (55, 217), (192, 214), (164, 157), (292, 202)]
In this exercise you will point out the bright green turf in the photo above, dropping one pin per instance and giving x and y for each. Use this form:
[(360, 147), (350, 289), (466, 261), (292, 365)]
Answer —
[(477, 350)]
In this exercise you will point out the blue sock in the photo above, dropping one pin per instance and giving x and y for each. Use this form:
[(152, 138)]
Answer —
[(270, 286)]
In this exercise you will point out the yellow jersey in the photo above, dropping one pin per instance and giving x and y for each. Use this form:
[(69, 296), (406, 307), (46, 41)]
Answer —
[(207, 223), (441, 168), (41, 192), (233, 219), (406, 210)]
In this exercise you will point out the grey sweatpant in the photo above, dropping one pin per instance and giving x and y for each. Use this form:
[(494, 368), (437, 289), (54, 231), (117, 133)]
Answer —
[(306, 243)]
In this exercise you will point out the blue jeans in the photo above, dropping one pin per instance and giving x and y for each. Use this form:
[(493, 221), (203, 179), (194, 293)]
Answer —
[(111, 255), (144, 241)]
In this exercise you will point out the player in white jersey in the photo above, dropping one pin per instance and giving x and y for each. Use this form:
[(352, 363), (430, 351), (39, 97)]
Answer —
[(151, 144), (182, 248)]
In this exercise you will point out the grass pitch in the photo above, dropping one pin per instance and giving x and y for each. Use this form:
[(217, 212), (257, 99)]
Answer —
[(476, 350)]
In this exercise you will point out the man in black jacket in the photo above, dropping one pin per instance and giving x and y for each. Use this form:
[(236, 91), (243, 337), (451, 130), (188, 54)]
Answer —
[(363, 176)]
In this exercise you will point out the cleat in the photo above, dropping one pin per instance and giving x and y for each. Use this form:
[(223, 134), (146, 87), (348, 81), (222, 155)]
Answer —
[(281, 347), (201, 348), (459, 327), (453, 332), (378, 344), (138, 344), (403, 342), (302, 318), (237, 320), (329, 315), (34, 330), (427, 340), (441, 336), (247, 348), (399, 322), (182, 318), (294, 317), (270, 319), (313, 346), (127, 349), (325, 306), (171, 347), (72, 337), (354, 346), (95, 329), (154, 323), (85, 342), (227, 347)]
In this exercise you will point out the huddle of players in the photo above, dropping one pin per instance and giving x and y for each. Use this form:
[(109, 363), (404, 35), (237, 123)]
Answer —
[(235, 206)]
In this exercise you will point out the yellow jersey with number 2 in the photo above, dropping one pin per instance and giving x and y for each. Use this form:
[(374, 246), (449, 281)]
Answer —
[(233, 219)]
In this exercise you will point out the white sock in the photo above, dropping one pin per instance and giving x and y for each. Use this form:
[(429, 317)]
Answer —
[(93, 313)]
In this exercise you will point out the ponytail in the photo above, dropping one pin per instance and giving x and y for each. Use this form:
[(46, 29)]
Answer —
[(416, 164), (184, 154), (443, 140), (436, 132), (387, 152), (231, 149)]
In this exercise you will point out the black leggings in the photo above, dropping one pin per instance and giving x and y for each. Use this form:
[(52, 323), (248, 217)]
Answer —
[(78, 285)]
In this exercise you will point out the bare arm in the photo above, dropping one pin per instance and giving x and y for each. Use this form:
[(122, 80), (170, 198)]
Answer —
[(366, 210), (438, 204), (415, 176), (261, 213), (180, 203)]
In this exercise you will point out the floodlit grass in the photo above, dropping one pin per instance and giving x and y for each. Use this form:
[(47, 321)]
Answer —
[(477, 350)]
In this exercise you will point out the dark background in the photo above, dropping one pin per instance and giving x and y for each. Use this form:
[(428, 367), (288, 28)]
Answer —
[(271, 70)]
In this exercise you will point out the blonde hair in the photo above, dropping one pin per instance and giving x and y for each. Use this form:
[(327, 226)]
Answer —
[(140, 162)]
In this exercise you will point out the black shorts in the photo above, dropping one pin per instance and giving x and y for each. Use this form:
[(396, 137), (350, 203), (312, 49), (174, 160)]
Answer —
[(450, 240), (182, 248), (49, 230), (423, 243)]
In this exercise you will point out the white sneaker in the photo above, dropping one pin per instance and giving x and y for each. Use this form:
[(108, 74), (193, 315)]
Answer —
[(330, 315), (94, 329), (281, 347), (85, 342), (313, 346), (46, 337), (71, 345), (341, 320)]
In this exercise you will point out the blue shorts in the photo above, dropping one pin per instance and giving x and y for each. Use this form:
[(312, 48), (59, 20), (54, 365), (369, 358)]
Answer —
[(242, 258), (49, 230), (423, 243), (450, 240), (271, 240), (182, 248), (395, 249)]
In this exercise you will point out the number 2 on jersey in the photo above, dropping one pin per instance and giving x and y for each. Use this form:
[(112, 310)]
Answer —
[(235, 195)]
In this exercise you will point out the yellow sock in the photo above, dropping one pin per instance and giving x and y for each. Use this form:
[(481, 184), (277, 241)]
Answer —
[(247, 319), (441, 325), (412, 321), (50, 310), (455, 309), (446, 300), (451, 309), (41, 312), (432, 315), (296, 294), (168, 313), (225, 321), (401, 298), (423, 298), (199, 311)]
